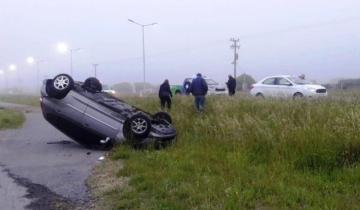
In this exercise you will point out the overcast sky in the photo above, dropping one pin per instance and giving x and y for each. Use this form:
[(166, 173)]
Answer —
[(319, 38)]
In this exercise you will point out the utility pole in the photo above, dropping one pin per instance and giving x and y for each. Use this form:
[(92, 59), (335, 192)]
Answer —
[(95, 66), (235, 45)]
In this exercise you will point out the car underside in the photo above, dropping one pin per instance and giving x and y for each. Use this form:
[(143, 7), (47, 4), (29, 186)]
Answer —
[(95, 118)]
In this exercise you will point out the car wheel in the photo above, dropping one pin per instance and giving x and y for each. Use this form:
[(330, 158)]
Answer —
[(177, 92), (137, 127), (92, 85), (260, 95), (162, 116), (60, 86), (298, 95)]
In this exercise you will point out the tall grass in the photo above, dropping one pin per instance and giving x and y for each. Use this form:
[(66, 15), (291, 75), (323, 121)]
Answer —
[(244, 153), (10, 119)]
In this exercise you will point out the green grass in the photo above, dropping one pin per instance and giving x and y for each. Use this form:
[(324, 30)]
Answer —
[(30, 100), (11, 119), (244, 153)]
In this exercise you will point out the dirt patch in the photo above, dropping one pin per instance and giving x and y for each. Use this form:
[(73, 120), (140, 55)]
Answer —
[(104, 180)]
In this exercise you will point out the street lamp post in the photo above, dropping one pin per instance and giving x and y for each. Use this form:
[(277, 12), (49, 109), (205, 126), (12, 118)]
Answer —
[(71, 59), (64, 48), (38, 72), (2, 72), (31, 61), (143, 43), (12, 68), (95, 65)]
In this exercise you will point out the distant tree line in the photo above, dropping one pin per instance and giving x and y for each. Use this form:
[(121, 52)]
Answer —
[(127, 88), (344, 84), (244, 82)]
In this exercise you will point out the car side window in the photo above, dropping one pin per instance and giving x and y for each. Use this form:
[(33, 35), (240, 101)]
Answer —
[(270, 81), (283, 81), (210, 82)]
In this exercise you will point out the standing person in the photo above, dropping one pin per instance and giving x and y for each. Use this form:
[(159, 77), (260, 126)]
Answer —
[(199, 89), (165, 95), (231, 85)]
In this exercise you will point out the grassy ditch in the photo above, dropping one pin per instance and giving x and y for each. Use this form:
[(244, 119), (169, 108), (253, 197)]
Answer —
[(10, 119), (244, 153), (30, 100)]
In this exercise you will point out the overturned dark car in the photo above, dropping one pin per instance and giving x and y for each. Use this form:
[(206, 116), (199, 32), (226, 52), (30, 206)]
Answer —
[(95, 118)]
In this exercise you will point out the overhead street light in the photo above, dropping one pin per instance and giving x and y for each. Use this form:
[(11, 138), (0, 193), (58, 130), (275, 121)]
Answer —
[(63, 48), (30, 60), (143, 43), (12, 67)]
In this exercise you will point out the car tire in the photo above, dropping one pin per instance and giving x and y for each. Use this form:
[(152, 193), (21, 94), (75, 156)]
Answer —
[(137, 127), (298, 95), (259, 95), (162, 116), (60, 86), (93, 85), (177, 92)]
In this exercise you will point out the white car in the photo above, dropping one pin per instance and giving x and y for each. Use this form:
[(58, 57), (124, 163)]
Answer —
[(287, 86), (107, 89), (214, 88)]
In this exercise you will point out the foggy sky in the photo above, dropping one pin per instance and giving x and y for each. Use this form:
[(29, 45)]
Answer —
[(319, 38)]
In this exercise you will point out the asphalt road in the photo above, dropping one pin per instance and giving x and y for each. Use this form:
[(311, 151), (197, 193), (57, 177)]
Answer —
[(39, 165)]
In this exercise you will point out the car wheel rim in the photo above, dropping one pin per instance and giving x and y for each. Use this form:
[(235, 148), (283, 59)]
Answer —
[(139, 125), (61, 82)]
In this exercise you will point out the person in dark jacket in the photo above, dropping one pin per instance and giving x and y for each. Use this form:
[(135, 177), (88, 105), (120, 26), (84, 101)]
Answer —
[(165, 95), (231, 85), (199, 89)]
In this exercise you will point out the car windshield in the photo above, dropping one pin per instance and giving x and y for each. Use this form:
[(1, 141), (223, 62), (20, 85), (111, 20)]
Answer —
[(210, 82), (299, 81)]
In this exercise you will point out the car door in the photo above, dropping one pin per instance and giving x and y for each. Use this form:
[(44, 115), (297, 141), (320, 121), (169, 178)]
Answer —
[(101, 119), (268, 87), (284, 87), (72, 107)]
